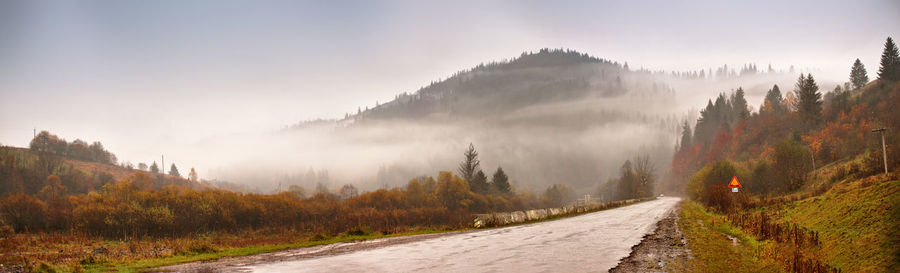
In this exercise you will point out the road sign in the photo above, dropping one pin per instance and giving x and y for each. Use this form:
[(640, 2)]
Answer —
[(734, 185)]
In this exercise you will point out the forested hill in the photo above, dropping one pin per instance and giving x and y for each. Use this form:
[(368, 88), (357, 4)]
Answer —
[(549, 75), (532, 78)]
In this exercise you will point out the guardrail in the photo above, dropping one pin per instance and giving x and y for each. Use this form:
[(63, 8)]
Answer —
[(498, 219)]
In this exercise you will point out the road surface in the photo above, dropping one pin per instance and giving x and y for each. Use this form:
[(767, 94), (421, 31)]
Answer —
[(592, 242)]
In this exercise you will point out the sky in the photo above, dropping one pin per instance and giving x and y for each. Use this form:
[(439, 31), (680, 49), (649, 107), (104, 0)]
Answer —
[(144, 77)]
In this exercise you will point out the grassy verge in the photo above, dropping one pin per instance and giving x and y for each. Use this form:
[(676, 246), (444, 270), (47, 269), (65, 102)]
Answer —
[(711, 248)]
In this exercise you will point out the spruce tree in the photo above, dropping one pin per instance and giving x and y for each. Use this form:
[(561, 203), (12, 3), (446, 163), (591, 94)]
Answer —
[(479, 183), (858, 75), (889, 62), (809, 101), (686, 136), (154, 168)]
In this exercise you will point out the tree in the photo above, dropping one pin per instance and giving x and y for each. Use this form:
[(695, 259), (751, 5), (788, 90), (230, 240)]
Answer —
[(890, 62), (142, 166), (858, 75), (470, 164), (193, 175), (686, 136), (773, 102), (557, 195), (479, 183), (154, 168), (348, 191), (500, 181), (739, 105), (452, 191), (809, 101), (53, 189), (791, 163), (173, 171)]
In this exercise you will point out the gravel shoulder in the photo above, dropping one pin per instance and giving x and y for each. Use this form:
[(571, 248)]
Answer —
[(664, 250)]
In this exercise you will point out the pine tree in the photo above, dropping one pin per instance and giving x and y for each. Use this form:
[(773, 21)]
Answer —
[(809, 101), (154, 168), (173, 171), (500, 181), (890, 62), (858, 75), (469, 166)]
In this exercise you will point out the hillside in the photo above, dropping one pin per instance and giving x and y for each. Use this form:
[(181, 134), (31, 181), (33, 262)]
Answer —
[(815, 194), (25, 171)]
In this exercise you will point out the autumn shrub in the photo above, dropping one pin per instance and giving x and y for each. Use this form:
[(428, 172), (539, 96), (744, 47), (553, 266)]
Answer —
[(719, 198)]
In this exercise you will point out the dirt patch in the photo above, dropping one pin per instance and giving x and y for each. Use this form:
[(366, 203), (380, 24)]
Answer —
[(664, 250), (234, 264)]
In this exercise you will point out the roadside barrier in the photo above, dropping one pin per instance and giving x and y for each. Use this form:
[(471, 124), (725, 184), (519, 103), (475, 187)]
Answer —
[(499, 219)]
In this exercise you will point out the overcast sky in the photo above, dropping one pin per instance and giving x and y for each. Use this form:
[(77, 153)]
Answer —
[(144, 76)]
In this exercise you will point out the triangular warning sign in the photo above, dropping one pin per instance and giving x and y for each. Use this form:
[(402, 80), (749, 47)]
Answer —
[(734, 183)]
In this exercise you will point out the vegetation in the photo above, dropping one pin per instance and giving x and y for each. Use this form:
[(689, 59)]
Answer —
[(141, 210), (814, 198)]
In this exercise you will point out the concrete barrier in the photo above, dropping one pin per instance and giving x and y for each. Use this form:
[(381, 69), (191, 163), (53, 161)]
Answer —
[(498, 219)]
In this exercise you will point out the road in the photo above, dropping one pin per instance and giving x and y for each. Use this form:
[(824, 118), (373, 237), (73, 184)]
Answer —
[(591, 242)]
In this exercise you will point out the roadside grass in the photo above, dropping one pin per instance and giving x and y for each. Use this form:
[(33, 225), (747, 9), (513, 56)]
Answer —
[(711, 248)]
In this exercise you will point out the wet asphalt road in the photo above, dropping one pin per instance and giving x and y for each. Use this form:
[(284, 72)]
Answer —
[(591, 242)]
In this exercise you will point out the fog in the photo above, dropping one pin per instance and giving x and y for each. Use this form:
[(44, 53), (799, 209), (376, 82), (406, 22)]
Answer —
[(219, 86), (579, 142)]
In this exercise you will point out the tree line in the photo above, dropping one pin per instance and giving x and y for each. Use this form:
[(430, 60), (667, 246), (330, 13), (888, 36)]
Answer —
[(772, 150)]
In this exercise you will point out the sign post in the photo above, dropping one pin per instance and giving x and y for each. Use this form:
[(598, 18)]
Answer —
[(734, 185)]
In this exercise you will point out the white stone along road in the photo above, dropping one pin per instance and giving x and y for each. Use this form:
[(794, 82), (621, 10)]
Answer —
[(591, 242)]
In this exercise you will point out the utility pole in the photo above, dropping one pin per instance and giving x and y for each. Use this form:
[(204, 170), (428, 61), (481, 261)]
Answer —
[(162, 168), (883, 147)]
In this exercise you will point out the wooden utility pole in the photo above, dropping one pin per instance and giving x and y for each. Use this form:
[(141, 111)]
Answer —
[(162, 169), (883, 147)]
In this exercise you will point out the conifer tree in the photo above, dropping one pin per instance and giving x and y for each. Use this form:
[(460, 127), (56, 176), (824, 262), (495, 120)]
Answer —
[(890, 62), (809, 101), (772, 103), (469, 166), (154, 168), (500, 181), (173, 171), (858, 75)]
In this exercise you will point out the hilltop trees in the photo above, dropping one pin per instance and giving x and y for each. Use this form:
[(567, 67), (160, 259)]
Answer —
[(858, 75), (154, 168), (890, 62), (809, 101), (47, 143)]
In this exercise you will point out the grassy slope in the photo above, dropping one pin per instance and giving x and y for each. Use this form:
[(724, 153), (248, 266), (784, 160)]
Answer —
[(858, 224)]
